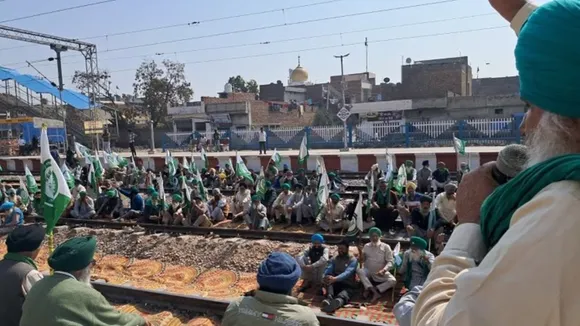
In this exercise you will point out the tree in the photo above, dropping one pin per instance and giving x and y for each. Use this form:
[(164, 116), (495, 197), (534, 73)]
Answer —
[(239, 84), (161, 86)]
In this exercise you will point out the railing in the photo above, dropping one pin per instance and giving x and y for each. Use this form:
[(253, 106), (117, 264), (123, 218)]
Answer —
[(369, 135)]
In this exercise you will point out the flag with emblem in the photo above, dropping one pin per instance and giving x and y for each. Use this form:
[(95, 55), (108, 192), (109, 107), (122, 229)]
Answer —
[(261, 188), (356, 223), (204, 158), (55, 193), (98, 167), (30, 181), (192, 166), (68, 176), (82, 151), (94, 179), (401, 179), (459, 145), (242, 170), (276, 157), (323, 191), (202, 192), (161, 190), (24, 195), (303, 152)]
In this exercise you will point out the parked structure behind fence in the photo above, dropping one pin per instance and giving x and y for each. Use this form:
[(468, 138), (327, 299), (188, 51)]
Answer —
[(389, 134)]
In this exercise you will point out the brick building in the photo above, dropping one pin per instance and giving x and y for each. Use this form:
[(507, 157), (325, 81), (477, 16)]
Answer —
[(437, 78)]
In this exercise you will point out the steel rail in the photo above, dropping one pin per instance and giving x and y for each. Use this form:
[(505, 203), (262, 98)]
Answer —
[(283, 236), (197, 304)]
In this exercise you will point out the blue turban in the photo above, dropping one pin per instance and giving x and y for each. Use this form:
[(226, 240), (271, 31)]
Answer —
[(317, 237), (548, 58), (278, 273), (6, 206)]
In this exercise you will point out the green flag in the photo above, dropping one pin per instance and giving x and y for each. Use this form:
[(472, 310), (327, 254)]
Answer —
[(55, 193), (401, 179), (30, 181), (68, 176), (303, 152), (192, 166), (276, 157), (24, 196), (170, 164), (202, 192), (323, 191), (204, 159), (161, 190), (241, 169), (261, 188), (459, 145)]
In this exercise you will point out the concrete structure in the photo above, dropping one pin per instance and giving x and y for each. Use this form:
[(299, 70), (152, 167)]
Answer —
[(358, 160), (358, 87)]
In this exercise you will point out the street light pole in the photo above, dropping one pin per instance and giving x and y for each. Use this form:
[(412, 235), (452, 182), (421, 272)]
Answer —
[(152, 150), (341, 57)]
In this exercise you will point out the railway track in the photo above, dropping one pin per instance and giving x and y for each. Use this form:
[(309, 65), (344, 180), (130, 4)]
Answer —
[(197, 304), (282, 236)]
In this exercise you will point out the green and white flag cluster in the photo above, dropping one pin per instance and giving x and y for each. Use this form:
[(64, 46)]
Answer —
[(242, 170), (30, 181), (459, 145), (55, 192), (303, 152), (276, 157)]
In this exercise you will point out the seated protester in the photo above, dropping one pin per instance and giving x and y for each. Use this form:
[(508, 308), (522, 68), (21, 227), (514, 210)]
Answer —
[(445, 217), (153, 209), (242, 200), (331, 215), (269, 197), (309, 205), (223, 178), (218, 207), (336, 183), (279, 205), (383, 206), (272, 303), (313, 180), (463, 170), (408, 202), (374, 174), (228, 170), (18, 271), (174, 213), (14, 215), (301, 177), (416, 264), (313, 262), (420, 218), (440, 177), (256, 216), (15, 198), (445, 202), (294, 206), (200, 212), (84, 208), (410, 171), (66, 297), (211, 180), (278, 180), (377, 259), (110, 205), (137, 203), (290, 180), (339, 279)]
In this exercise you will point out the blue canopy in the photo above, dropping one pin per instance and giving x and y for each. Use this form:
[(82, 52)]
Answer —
[(38, 85)]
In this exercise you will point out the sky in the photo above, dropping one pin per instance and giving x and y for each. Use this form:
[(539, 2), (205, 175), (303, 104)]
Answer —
[(315, 30)]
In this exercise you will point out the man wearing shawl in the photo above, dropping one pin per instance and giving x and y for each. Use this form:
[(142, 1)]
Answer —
[(279, 205), (377, 258), (331, 215), (313, 262), (507, 248), (409, 202), (440, 177), (383, 206), (256, 216), (411, 171), (416, 263)]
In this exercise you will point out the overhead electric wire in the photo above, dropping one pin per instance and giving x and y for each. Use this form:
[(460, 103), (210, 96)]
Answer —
[(56, 11), (329, 47), (274, 41), (192, 23), (270, 27)]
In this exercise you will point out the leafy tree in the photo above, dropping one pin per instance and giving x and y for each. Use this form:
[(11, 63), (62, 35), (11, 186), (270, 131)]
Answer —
[(160, 86), (239, 84)]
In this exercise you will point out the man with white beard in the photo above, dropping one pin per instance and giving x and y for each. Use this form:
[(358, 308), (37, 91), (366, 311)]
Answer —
[(67, 297), (521, 239), (416, 263)]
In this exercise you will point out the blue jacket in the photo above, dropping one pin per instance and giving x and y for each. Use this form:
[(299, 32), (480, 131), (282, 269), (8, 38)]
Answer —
[(137, 202), (349, 271), (16, 213)]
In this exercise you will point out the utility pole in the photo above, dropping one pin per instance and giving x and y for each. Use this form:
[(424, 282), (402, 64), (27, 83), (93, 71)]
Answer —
[(367, 55), (58, 49), (345, 116)]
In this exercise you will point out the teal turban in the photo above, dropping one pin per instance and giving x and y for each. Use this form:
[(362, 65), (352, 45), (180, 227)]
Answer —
[(419, 242), (376, 231), (286, 186), (73, 255), (548, 58)]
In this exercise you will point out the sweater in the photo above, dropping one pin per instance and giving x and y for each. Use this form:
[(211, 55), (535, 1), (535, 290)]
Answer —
[(60, 300)]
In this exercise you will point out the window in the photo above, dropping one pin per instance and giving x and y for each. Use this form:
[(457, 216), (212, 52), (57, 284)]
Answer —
[(498, 111)]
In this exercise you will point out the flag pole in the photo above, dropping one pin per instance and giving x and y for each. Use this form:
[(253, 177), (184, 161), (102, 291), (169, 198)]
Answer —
[(395, 276)]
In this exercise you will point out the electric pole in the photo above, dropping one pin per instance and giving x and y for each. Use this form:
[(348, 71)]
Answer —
[(344, 113)]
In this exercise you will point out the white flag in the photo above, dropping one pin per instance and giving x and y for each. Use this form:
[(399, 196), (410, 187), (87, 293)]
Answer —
[(276, 157), (55, 192), (303, 152), (358, 212), (459, 145)]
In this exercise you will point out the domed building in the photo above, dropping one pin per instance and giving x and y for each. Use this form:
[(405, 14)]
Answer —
[(298, 75)]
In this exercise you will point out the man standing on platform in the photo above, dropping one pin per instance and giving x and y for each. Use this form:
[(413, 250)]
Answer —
[(377, 258), (262, 140)]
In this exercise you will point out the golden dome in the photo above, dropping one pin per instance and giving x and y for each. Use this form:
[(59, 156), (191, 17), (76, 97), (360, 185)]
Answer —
[(299, 74)]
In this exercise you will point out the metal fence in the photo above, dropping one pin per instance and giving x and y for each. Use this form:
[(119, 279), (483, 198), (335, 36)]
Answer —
[(390, 134)]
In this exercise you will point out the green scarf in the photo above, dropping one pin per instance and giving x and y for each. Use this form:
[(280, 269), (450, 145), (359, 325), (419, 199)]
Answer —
[(21, 258), (498, 208), (409, 270)]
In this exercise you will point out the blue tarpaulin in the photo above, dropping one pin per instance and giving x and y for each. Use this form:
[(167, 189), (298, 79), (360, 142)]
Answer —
[(72, 98)]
